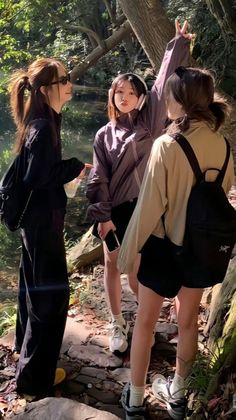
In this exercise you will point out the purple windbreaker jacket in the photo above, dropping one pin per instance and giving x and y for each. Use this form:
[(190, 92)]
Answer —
[(121, 150)]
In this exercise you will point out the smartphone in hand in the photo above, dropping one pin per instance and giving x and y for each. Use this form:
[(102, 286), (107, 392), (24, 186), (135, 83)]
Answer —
[(111, 241)]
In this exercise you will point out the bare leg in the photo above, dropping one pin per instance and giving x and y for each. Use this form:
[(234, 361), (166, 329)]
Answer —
[(148, 313), (187, 306), (112, 281), (132, 277)]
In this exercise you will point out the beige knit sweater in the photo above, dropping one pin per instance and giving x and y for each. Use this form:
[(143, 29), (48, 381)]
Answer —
[(166, 186)]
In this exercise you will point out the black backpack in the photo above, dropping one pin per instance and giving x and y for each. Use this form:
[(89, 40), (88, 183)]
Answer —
[(14, 195), (210, 231)]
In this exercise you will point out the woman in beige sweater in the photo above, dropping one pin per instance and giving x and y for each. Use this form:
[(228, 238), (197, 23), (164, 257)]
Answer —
[(198, 113)]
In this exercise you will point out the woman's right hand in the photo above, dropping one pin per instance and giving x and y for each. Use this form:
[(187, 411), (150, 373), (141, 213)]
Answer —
[(183, 31), (104, 227)]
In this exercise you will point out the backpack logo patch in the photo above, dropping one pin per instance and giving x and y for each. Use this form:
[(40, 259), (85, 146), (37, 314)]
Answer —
[(224, 248)]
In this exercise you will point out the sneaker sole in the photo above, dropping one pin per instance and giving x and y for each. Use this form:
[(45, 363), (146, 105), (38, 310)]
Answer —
[(170, 411), (135, 417), (174, 415)]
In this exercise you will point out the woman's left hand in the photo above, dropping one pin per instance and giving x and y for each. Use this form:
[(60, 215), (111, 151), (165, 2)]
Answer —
[(182, 31), (87, 166)]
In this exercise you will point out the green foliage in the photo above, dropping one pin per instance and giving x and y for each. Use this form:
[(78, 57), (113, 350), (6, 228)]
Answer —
[(9, 242), (9, 248), (5, 158), (203, 370), (80, 116), (7, 317), (49, 28), (79, 290), (31, 29), (211, 48)]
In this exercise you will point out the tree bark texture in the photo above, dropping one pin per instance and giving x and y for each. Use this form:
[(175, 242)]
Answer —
[(151, 26), (222, 327), (225, 13)]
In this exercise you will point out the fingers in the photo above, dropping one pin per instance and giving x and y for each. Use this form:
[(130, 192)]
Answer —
[(83, 172), (184, 30), (184, 27), (103, 228), (178, 28)]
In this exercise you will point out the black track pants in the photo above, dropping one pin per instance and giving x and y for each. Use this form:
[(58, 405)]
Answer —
[(42, 308)]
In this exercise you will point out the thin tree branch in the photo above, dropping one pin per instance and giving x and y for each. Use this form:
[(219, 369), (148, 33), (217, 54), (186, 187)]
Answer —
[(108, 44)]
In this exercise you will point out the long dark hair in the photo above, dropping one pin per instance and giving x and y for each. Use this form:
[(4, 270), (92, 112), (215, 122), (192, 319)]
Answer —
[(194, 89), (26, 99)]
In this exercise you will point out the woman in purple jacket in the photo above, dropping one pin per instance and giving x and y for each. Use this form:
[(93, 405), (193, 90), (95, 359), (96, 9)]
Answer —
[(121, 152)]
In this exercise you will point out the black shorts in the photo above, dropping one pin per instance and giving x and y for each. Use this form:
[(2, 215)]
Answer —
[(120, 216), (158, 271), (163, 270)]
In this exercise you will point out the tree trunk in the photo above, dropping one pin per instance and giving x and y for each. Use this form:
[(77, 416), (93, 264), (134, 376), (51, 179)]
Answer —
[(151, 26), (153, 30), (222, 327), (225, 13), (146, 14)]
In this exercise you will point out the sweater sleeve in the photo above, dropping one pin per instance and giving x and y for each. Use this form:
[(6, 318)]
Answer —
[(44, 169), (152, 201), (177, 54), (98, 183)]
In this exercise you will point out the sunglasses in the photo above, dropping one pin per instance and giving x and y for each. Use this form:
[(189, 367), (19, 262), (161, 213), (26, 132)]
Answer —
[(63, 80)]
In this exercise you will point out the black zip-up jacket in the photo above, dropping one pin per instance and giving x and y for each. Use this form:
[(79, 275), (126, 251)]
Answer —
[(45, 172)]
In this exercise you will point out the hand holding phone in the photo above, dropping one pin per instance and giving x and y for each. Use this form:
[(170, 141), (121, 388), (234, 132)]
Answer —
[(111, 241)]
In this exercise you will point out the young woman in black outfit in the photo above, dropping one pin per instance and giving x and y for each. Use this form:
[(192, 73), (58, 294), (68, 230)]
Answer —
[(37, 97)]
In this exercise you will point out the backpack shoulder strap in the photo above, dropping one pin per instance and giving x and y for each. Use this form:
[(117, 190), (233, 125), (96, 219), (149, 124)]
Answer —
[(188, 150), (221, 174)]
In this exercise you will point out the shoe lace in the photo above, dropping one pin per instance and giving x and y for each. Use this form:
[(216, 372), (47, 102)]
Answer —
[(172, 396), (168, 384), (116, 330)]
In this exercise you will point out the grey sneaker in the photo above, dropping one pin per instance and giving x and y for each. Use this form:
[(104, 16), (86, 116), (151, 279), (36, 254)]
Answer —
[(176, 407), (131, 413), (118, 341)]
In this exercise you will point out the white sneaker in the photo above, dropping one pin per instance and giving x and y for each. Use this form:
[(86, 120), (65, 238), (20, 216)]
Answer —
[(118, 342), (176, 407)]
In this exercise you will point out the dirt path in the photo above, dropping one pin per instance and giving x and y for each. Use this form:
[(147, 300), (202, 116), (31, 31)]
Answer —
[(94, 375)]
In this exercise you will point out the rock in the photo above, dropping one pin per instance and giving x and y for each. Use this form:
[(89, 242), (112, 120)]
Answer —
[(94, 355), (121, 375), (62, 409), (73, 387), (85, 252), (86, 380), (106, 397), (75, 333), (114, 409), (166, 327), (100, 340), (93, 372)]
